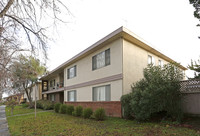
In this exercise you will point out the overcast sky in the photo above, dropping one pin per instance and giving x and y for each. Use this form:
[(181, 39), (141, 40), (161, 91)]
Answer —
[(169, 26)]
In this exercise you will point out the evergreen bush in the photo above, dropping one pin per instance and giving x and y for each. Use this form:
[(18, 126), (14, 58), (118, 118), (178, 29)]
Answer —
[(63, 109), (70, 109), (157, 92), (87, 112), (78, 111), (100, 114), (57, 107)]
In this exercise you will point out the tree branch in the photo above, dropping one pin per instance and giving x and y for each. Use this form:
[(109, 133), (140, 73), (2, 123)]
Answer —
[(4, 11)]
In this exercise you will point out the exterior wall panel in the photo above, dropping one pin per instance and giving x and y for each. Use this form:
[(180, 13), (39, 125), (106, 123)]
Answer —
[(135, 59)]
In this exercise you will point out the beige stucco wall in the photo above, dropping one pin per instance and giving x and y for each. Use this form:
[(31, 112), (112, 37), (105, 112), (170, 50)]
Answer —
[(57, 80), (135, 59), (85, 93), (84, 65), (191, 103)]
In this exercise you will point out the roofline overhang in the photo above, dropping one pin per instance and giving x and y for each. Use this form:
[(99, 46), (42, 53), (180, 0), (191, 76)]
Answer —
[(121, 32)]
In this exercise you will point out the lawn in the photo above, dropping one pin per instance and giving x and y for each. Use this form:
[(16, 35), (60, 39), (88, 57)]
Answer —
[(54, 124), (20, 110)]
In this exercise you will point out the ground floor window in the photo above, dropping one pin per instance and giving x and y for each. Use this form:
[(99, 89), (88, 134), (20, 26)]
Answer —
[(71, 96), (101, 93), (52, 97)]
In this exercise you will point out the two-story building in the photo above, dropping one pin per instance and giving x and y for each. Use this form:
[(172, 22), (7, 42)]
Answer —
[(102, 73)]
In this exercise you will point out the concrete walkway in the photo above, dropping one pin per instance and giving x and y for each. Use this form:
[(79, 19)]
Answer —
[(3, 122)]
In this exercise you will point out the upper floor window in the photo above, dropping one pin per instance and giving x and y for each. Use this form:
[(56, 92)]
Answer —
[(71, 96), (53, 83), (151, 60), (71, 72), (100, 60), (101, 93), (160, 63)]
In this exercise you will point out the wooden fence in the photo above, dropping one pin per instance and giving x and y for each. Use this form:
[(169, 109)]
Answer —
[(191, 96), (189, 86)]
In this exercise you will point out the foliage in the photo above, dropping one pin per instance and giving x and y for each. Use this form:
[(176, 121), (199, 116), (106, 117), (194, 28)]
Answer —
[(12, 103), (57, 107), (196, 5), (45, 104), (78, 111), (195, 66), (25, 105), (125, 101), (63, 108), (87, 113), (158, 91), (66, 125), (70, 109), (100, 114), (25, 72)]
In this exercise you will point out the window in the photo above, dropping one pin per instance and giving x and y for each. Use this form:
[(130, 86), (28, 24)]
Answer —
[(100, 60), (151, 60), (101, 93), (53, 83), (52, 97), (71, 96), (71, 72), (160, 63)]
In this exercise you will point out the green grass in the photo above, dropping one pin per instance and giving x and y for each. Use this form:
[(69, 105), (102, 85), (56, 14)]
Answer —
[(19, 110), (54, 124)]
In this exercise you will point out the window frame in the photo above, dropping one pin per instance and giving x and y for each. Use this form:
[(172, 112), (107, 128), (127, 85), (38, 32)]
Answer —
[(107, 59), (68, 95), (107, 93), (160, 63), (152, 59), (68, 72)]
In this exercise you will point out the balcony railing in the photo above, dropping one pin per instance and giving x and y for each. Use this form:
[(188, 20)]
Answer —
[(58, 85)]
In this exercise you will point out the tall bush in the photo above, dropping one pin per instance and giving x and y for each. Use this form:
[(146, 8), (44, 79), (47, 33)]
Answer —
[(158, 91), (87, 112), (100, 114), (78, 111), (63, 109), (57, 107), (70, 109)]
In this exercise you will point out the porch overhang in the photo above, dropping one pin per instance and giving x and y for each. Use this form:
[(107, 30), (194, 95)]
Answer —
[(54, 91)]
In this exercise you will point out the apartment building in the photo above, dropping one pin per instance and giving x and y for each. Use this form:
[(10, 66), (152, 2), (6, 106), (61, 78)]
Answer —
[(102, 73)]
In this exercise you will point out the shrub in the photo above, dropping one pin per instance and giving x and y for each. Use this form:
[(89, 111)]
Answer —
[(63, 109), (125, 101), (70, 109), (57, 107), (87, 112), (78, 111), (45, 104), (157, 92), (25, 105), (100, 114)]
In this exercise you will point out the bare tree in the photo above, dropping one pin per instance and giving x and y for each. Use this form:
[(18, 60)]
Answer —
[(23, 27)]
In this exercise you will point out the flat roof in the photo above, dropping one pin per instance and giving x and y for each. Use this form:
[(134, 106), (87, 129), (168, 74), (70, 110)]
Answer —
[(121, 32)]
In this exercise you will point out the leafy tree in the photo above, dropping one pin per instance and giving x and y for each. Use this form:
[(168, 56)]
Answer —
[(158, 91), (196, 5), (195, 66), (11, 103), (25, 71)]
